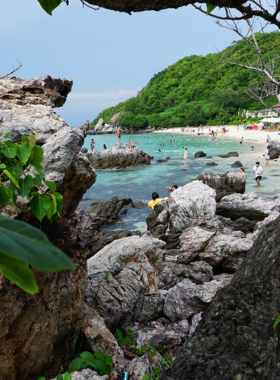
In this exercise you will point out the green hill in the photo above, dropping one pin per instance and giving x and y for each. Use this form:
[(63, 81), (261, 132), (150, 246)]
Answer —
[(196, 90)]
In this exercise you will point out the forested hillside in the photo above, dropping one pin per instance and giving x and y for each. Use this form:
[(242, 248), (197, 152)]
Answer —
[(196, 90)]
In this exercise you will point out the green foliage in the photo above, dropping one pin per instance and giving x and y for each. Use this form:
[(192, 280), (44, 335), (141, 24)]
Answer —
[(132, 343), (108, 273), (197, 90), (210, 8), (99, 361), (20, 163), (276, 322), (23, 245), (49, 5)]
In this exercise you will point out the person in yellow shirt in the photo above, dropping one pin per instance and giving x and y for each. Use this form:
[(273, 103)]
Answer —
[(155, 200)]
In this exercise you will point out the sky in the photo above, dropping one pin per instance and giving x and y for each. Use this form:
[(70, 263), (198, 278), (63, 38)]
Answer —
[(109, 55)]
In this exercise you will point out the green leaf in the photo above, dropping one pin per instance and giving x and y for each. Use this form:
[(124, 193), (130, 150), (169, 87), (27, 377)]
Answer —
[(130, 333), (39, 205), (24, 152), (158, 370), (59, 377), (153, 347), (9, 151), (18, 272), (18, 170), (7, 135), (162, 361), (12, 178), (51, 186), (86, 355), (32, 141), (42, 378), (134, 343), (23, 242), (145, 377), (59, 202), (12, 194), (39, 169), (276, 322), (119, 333), (75, 364), (109, 360), (2, 166), (51, 210), (25, 186), (37, 155), (67, 376), (25, 139), (49, 5), (210, 8), (4, 196), (169, 360)]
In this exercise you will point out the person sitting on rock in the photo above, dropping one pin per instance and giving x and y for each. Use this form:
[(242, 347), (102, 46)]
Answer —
[(155, 200), (104, 147), (171, 189), (132, 145)]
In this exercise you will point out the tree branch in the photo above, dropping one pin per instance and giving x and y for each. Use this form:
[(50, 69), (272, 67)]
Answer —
[(14, 70)]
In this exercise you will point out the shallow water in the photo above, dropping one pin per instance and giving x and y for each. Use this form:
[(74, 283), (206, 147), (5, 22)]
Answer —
[(140, 182)]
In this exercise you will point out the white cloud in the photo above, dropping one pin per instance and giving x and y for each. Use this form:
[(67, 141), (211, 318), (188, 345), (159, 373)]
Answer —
[(117, 94)]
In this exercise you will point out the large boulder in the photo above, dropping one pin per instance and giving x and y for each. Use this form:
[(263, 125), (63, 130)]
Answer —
[(200, 154), (249, 206), (235, 338), (103, 127), (26, 106), (120, 275), (108, 210), (120, 156), (274, 150), (188, 203), (224, 184)]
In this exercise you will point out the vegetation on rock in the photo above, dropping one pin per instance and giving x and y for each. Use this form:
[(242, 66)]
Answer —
[(196, 90)]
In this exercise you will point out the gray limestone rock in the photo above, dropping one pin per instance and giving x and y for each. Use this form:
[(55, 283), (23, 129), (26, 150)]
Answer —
[(224, 184), (108, 210), (274, 150), (200, 154), (237, 164)]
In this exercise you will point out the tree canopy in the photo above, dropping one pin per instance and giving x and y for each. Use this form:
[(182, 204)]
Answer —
[(196, 90)]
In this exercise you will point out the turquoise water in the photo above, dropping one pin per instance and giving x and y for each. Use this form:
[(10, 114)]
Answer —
[(140, 182)]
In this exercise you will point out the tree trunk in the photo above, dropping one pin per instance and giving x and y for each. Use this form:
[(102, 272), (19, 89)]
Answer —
[(235, 339)]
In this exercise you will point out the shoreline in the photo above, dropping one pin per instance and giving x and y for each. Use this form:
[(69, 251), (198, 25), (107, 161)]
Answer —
[(235, 132)]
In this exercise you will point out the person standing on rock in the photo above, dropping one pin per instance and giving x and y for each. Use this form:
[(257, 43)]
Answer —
[(119, 133), (257, 169), (267, 156), (92, 144)]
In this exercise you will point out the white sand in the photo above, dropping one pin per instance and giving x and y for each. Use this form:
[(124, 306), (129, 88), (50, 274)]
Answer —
[(237, 132)]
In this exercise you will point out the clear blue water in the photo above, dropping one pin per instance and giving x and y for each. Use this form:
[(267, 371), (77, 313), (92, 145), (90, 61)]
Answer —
[(140, 182)]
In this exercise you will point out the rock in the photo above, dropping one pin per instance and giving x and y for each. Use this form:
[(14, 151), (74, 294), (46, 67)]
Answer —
[(141, 366), (229, 154), (26, 106), (120, 156), (224, 184), (121, 274), (171, 273), (261, 226), (103, 238), (87, 374), (84, 150), (102, 127), (192, 242), (243, 314), (240, 224), (249, 206), (138, 204), (192, 201), (274, 151), (160, 337), (237, 164), (181, 328), (200, 154), (227, 251), (161, 160), (176, 305), (195, 322), (211, 164), (96, 334), (116, 118), (108, 210), (83, 227), (47, 323), (149, 307)]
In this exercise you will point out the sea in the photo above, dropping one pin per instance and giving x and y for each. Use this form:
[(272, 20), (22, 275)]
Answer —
[(139, 182)]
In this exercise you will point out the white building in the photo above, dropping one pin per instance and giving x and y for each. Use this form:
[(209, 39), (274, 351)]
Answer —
[(270, 112)]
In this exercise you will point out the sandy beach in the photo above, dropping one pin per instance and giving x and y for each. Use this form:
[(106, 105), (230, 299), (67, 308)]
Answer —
[(259, 136)]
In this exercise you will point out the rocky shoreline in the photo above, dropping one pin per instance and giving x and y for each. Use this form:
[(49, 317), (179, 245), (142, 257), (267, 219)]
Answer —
[(202, 284)]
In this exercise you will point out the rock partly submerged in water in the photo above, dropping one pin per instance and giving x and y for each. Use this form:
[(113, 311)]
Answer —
[(224, 184), (108, 210), (200, 154), (274, 151), (118, 157), (237, 164)]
